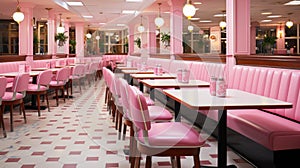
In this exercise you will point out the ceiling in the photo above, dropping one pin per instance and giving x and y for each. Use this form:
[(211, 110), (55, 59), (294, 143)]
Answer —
[(108, 13)]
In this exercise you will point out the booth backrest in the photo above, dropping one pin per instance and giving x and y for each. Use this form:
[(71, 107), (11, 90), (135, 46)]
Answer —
[(203, 70), (282, 84), (179, 64), (6, 67)]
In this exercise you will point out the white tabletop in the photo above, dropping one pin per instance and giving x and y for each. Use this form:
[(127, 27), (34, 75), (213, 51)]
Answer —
[(13, 74), (173, 83), (153, 76), (127, 68), (200, 98), (135, 71)]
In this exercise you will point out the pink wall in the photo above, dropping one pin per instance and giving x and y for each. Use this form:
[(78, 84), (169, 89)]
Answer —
[(79, 29), (151, 34), (131, 39), (280, 42), (51, 32)]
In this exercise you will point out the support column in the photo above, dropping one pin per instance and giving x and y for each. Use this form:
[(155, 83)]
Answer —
[(26, 30), (151, 35), (253, 37), (51, 32), (238, 31), (79, 34), (176, 26), (131, 39), (280, 42)]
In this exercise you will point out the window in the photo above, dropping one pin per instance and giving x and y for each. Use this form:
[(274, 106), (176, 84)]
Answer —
[(9, 37)]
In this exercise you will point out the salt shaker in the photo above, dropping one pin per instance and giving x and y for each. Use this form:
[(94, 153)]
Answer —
[(212, 86), (185, 76), (221, 88), (159, 70)]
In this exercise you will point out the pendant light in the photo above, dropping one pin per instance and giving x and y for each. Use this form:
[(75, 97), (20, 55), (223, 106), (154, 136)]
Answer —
[(190, 27), (18, 16), (88, 35), (159, 21), (289, 23), (189, 9), (223, 23), (60, 28), (141, 28)]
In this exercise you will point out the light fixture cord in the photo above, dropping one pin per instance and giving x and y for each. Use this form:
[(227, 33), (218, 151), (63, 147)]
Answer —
[(141, 20), (159, 9)]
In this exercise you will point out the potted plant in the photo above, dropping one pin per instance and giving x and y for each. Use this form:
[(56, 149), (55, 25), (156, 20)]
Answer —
[(138, 42), (165, 38), (61, 38), (268, 43), (72, 44)]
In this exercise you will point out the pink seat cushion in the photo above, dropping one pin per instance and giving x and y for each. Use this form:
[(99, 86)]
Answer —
[(149, 101), (172, 134), (158, 113), (55, 83), (34, 87), (74, 77), (271, 131), (9, 95)]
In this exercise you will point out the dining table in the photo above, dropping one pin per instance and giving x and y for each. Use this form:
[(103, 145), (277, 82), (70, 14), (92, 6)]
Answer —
[(201, 99), (153, 76), (171, 83)]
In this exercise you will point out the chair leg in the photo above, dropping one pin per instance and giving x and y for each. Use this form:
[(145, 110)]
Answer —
[(38, 101), (178, 162), (23, 109), (71, 86), (117, 118), (148, 162), (56, 93), (2, 121), (120, 124), (11, 118), (63, 94), (124, 131), (196, 161), (47, 102)]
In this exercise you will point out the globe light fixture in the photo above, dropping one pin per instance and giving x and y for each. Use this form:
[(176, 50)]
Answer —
[(141, 28), (289, 24), (189, 9), (88, 35), (18, 16), (159, 21), (190, 28), (60, 28), (222, 24), (98, 37)]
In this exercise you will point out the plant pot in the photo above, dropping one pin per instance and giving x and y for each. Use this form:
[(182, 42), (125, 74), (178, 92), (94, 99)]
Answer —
[(166, 43), (60, 43)]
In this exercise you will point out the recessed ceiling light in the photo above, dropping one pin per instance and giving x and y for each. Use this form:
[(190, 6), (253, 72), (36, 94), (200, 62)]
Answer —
[(134, 0), (265, 21), (75, 3), (195, 19), (220, 15), (87, 17), (167, 12), (205, 21), (293, 3), (128, 11), (266, 13), (120, 25), (102, 23), (197, 3), (274, 16)]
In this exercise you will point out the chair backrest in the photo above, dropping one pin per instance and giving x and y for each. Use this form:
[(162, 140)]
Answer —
[(139, 109), (124, 93), (63, 74), (78, 70), (3, 83), (44, 78), (20, 83)]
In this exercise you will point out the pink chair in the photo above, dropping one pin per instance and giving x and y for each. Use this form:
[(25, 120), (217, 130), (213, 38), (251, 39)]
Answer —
[(61, 79), (16, 95), (172, 139), (156, 113), (41, 88), (3, 83), (76, 74)]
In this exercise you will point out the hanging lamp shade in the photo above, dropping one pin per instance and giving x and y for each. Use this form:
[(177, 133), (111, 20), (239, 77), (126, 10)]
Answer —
[(60, 28), (88, 34), (222, 24), (289, 24), (98, 37), (18, 16), (159, 21), (141, 28), (189, 10), (190, 28)]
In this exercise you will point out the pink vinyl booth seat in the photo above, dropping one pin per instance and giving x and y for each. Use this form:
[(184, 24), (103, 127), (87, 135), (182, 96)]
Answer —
[(3, 83), (6, 67), (172, 139), (266, 137)]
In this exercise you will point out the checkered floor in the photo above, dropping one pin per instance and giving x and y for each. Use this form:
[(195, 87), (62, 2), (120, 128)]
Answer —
[(80, 133)]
